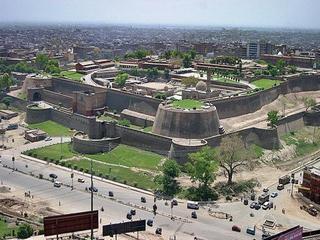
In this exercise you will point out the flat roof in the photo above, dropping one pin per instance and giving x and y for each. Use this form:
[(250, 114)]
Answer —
[(156, 85)]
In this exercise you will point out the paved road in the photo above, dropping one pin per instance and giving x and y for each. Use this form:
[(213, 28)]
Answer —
[(205, 227)]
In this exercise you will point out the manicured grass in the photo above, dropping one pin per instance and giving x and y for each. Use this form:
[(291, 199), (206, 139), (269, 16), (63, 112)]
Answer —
[(4, 229), (22, 95), (126, 156), (111, 119), (52, 152), (107, 118), (130, 157), (265, 83), (119, 174), (187, 104), (303, 140), (71, 75), (52, 128)]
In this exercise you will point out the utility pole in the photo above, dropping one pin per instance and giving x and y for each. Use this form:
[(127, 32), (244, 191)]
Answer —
[(91, 199)]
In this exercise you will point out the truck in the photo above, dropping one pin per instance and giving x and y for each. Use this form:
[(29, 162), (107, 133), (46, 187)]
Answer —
[(263, 198), (284, 180)]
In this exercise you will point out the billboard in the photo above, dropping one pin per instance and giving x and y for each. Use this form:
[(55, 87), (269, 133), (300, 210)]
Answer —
[(126, 227), (70, 223), (295, 234)]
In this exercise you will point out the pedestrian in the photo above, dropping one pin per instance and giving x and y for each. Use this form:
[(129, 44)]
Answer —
[(59, 203), (275, 207)]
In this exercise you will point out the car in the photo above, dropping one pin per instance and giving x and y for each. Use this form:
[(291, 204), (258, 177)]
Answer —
[(94, 189), (52, 175), (236, 228), (245, 202), (143, 200), (150, 222), (274, 194), (192, 205), (266, 206), (257, 206), (80, 180), (266, 190), (159, 231), (47, 139), (280, 187), (129, 216), (110, 193), (57, 184), (194, 215), (253, 204), (174, 202), (133, 212)]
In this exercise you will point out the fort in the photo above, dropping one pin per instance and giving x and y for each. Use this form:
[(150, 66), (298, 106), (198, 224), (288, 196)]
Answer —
[(175, 131)]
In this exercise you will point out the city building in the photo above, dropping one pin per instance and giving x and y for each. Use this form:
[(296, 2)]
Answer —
[(310, 187), (304, 62), (35, 135)]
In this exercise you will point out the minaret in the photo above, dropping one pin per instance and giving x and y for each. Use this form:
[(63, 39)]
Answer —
[(208, 79)]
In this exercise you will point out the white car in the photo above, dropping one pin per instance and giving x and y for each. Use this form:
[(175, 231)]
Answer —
[(274, 194), (48, 139), (57, 184), (266, 206)]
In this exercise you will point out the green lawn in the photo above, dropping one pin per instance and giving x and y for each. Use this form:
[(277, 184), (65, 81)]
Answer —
[(52, 152), (52, 128), (111, 119), (306, 140), (71, 75), (265, 83), (122, 155), (119, 174), (107, 118), (187, 104), (22, 95), (4, 229), (130, 157)]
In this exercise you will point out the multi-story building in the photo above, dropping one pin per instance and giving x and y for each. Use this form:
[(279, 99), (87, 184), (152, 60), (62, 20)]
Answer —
[(256, 49), (311, 184)]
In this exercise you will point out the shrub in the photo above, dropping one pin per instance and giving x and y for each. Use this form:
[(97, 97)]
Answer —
[(35, 155), (81, 169), (86, 170), (114, 178), (135, 184), (106, 176), (63, 163), (124, 181), (100, 175), (69, 165), (56, 162), (45, 158), (124, 122), (228, 198), (75, 167), (24, 231)]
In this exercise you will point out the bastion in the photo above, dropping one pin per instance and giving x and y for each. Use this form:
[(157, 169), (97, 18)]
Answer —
[(195, 123)]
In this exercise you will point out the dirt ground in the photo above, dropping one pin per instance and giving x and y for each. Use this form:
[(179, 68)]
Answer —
[(287, 104)]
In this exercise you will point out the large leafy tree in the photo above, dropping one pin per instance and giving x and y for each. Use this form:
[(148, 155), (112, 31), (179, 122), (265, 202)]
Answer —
[(170, 171), (233, 154), (273, 118), (309, 102), (121, 79), (24, 231), (202, 167)]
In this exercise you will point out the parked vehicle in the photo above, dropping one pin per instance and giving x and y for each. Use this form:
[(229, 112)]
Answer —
[(284, 180), (263, 198), (80, 180), (133, 212), (129, 216), (253, 204), (94, 189), (159, 231), (150, 222), (257, 206), (194, 214), (266, 190), (47, 139), (235, 228), (57, 184), (280, 187), (110, 193), (245, 202), (52, 175), (274, 194), (266, 206), (251, 231), (12, 126), (143, 200), (193, 205)]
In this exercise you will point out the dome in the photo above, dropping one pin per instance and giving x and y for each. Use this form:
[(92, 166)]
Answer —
[(201, 86)]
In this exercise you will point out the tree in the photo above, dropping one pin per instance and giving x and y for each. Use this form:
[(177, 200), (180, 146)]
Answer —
[(202, 167), (121, 79), (273, 118), (170, 171), (5, 81), (309, 102), (152, 73), (167, 74), (190, 81), (24, 231), (233, 154), (7, 101), (42, 61), (187, 60)]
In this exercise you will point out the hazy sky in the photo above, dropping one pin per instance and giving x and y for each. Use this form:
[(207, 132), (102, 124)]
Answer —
[(255, 13)]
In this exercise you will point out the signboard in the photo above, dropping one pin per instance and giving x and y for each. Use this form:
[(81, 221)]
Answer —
[(70, 223), (295, 234), (126, 227)]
